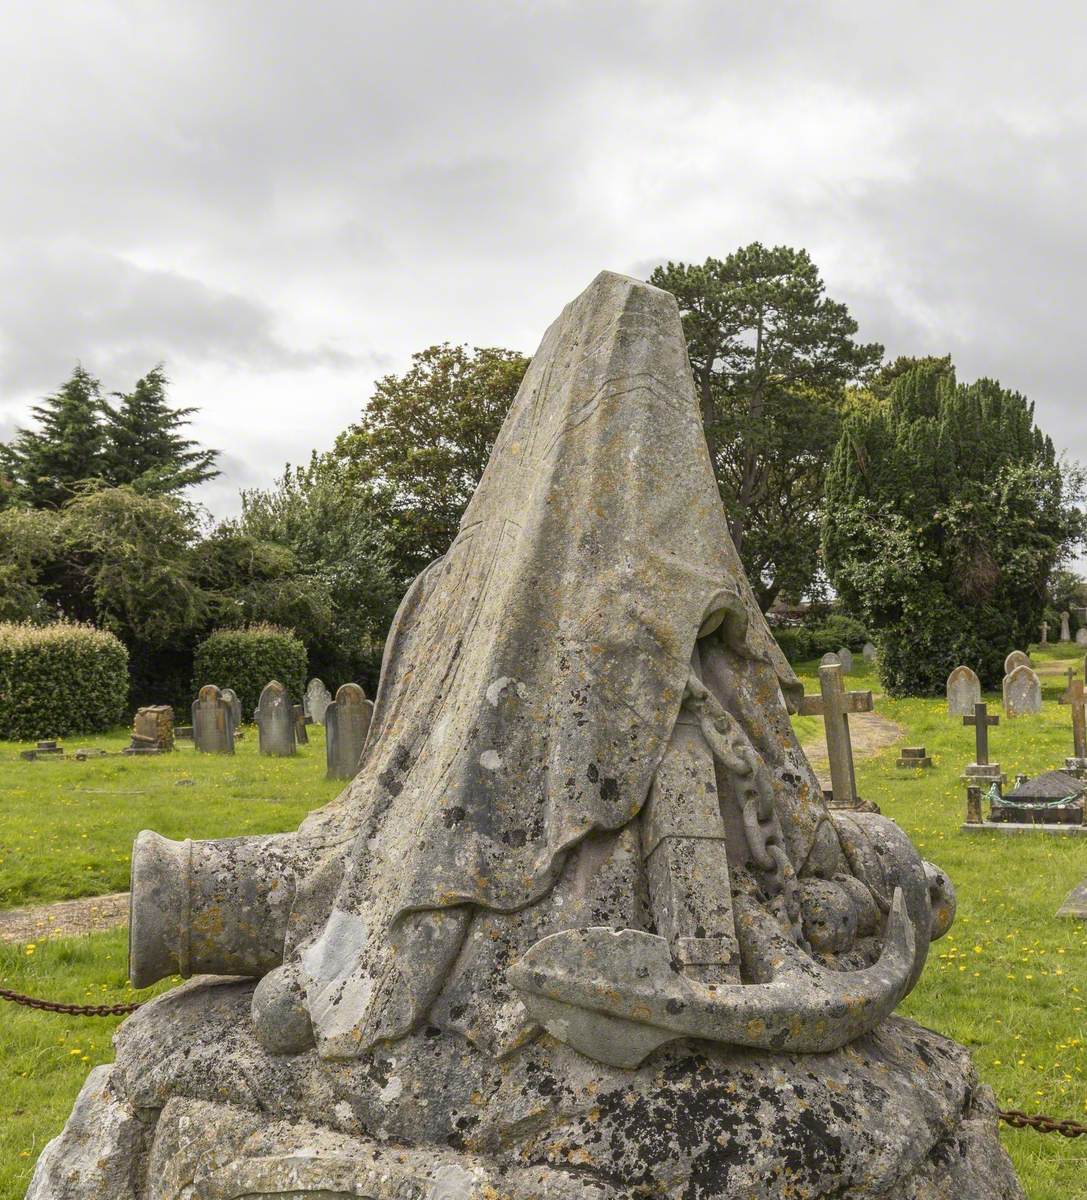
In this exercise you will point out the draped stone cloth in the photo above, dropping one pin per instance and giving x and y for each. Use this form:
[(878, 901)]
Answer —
[(530, 685)]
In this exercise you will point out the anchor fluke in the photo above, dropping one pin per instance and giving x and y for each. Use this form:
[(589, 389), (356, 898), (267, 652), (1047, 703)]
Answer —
[(616, 996)]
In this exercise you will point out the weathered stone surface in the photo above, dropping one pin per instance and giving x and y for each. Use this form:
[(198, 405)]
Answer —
[(212, 726), (1022, 693), (869, 651), (845, 657), (963, 692), (830, 659), (152, 730), (1075, 903), (318, 698), (529, 885), (231, 698), (101, 1152), (301, 735), (1066, 634), (1016, 659), (275, 720), (347, 722), (1081, 636)]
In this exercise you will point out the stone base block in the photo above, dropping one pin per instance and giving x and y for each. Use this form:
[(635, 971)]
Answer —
[(898, 1115), (906, 763)]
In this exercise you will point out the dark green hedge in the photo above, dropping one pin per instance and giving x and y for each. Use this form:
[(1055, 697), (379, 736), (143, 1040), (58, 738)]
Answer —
[(800, 642), (60, 679), (247, 659)]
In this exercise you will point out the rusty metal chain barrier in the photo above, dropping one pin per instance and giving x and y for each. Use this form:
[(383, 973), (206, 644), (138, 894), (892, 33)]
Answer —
[(71, 1010), (1043, 1124)]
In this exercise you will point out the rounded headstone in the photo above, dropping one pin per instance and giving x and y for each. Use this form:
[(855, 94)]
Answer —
[(845, 657), (869, 651), (830, 659), (1016, 659), (1081, 636), (1022, 693), (963, 692)]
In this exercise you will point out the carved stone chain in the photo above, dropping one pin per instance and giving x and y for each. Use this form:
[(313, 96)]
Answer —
[(755, 794)]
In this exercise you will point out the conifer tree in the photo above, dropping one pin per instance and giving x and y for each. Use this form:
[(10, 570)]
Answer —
[(144, 448), (47, 465)]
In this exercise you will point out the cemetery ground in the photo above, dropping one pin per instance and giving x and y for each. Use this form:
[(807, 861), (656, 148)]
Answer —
[(1009, 980)]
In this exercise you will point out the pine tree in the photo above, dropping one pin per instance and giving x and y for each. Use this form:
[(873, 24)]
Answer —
[(49, 463), (144, 448)]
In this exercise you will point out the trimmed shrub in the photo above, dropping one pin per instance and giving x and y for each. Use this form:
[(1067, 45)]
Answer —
[(795, 642), (60, 679), (246, 659), (837, 631)]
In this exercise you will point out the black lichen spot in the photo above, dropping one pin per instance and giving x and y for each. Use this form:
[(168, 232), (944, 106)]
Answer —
[(609, 789), (592, 772), (453, 816)]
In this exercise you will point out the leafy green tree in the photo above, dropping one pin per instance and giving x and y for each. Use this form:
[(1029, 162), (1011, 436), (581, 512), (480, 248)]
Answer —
[(143, 446), (50, 463), (946, 514), (339, 554), (28, 541), (422, 442), (772, 356)]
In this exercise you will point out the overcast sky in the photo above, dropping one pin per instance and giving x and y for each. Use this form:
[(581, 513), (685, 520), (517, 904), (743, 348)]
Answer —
[(282, 201)]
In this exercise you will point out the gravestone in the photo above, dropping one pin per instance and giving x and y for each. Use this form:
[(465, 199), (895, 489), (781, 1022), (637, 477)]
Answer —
[(1016, 659), (1075, 903), (834, 704), (913, 757), (275, 720), (1066, 635), (981, 770), (830, 659), (1052, 798), (1076, 697), (528, 952), (963, 692), (152, 730), (1022, 693), (1045, 633), (300, 734), (212, 726), (231, 697), (845, 657), (1081, 636), (347, 721), (869, 652), (317, 700)]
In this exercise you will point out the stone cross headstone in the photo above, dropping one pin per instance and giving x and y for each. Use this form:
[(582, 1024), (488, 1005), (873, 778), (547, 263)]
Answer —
[(981, 771), (212, 727), (318, 699), (963, 692), (845, 657), (1077, 700), (1066, 635), (869, 651), (275, 720), (830, 659), (834, 704), (1022, 693), (347, 722), (231, 697), (1045, 633), (1016, 659), (300, 734)]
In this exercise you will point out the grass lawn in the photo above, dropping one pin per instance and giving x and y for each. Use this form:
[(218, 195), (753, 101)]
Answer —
[(1009, 981), (66, 827)]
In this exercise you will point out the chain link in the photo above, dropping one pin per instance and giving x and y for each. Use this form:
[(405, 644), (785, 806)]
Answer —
[(72, 1010), (1043, 1124)]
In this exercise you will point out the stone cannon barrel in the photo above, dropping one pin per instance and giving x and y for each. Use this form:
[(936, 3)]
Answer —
[(216, 907)]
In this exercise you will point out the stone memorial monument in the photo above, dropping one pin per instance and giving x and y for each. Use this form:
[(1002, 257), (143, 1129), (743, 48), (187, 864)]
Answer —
[(845, 657), (231, 697), (1045, 634), (301, 736), (981, 771), (212, 725), (1016, 659), (869, 652), (152, 730), (1066, 635), (275, 720), (317, 700), (1022, 693), (347, 722), (963, 692), (1076, 697), (830, 659), (1081, 636), (581, 927)]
